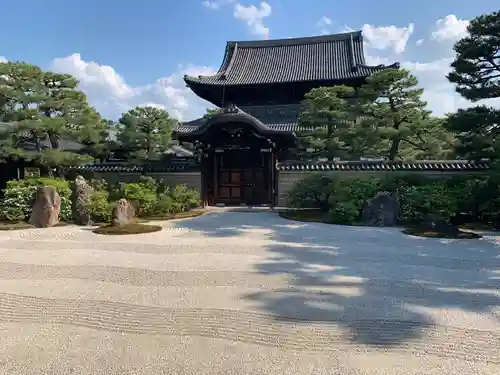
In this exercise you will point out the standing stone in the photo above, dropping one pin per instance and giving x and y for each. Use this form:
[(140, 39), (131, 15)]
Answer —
[(382, 210), (123, 213), (46, 208), (436, 223), (81, 195)]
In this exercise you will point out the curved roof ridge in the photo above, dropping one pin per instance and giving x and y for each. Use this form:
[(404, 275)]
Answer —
[(296, 41), (229, 55), (332, 58), (395, 65)]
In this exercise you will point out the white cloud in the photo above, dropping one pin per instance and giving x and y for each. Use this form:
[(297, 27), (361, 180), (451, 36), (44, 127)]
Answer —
[(3, 59), (111, 95), (324, 24), (439, 93), (450, 29), (254, 17), (387, 37), (216, 4)]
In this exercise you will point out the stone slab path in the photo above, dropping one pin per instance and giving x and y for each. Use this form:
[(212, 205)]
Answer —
[(247, 293)]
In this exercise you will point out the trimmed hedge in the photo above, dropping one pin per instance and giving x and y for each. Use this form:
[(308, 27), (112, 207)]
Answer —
[(150, 198), (454, 199), (19, 196)]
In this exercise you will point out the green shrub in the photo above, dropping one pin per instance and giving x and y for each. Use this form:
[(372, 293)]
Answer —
[(478, 198), (18, 200), (101, 210), (99, 184), (313, 191), (165, 205), (436, 197), (348, 197), (185, 197), (141, 196), (19, 196), (484, 198)]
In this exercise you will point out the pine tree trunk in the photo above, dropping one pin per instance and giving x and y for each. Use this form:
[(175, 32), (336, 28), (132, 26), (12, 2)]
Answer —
[(393, 151)]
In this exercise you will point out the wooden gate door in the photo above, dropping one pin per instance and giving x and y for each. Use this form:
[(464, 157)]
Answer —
[(241, 179), (254, 187), (230, 186)]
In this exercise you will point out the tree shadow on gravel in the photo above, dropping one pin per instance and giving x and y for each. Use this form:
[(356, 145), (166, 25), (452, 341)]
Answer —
[(383, 287), (228, 224)]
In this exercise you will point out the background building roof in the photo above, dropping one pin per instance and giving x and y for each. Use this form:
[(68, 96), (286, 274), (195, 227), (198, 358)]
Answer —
[(332, 57)]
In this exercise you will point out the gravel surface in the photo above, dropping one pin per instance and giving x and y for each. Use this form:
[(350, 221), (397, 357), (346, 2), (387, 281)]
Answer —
[(247, 293)]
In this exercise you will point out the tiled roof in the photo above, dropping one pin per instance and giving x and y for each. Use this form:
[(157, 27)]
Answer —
[(322, 58), (127, 168), (28, 144), (281, 118), (346, 166), (426, 165)]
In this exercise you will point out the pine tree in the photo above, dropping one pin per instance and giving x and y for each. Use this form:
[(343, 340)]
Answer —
[(42, 108), (146, 132), (476, 74)]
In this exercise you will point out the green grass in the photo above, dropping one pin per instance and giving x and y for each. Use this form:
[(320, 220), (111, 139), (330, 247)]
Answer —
[(180, 215), (428, 233), (132, 228), (18, 225)]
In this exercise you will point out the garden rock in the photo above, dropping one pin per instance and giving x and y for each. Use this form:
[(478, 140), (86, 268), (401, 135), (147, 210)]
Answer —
[(123, 213), (382, 210), (81, 195), (46, 208), (436, 223)]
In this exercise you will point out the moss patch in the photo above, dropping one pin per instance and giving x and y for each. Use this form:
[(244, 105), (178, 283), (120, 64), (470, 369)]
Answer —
[(480, 227), (313, 216), (142, 220), (180, 215), (18, 225), (11, 225), (133, 228), (425, 232)]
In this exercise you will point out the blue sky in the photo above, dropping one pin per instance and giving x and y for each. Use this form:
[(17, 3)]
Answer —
[(130, 53)]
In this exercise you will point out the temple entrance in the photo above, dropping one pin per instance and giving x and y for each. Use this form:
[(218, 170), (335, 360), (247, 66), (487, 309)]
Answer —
[(242, 177), (237, 155)]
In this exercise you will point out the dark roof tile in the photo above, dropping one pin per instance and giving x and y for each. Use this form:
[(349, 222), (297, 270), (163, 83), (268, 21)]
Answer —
[(276, 117), (427, 165), (128, 168), (333, 57)]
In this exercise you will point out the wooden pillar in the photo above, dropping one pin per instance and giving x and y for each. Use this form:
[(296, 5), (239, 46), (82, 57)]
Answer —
[(215, 178), (204, 181), (271, 174)]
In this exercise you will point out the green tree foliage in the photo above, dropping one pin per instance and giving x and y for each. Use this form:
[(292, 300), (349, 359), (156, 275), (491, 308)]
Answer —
[(327, 115), (472, 199), (212, 112), (384, 118), (146, 132), (393, 110), (476, 74), (44, 106)]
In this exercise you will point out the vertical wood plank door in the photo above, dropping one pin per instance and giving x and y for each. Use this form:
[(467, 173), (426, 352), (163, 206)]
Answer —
[(230, 186), (248, 186), (242, 179), (260, 188)]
